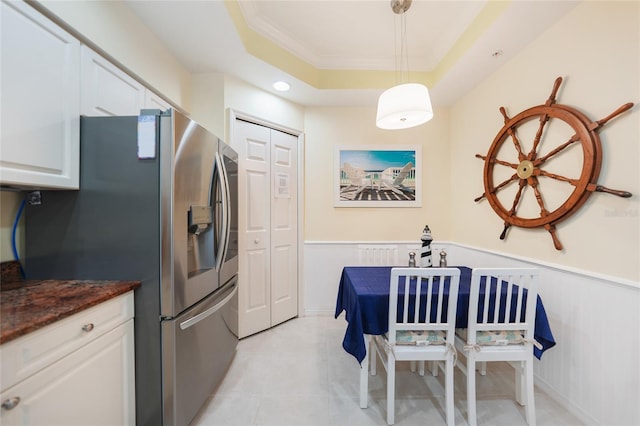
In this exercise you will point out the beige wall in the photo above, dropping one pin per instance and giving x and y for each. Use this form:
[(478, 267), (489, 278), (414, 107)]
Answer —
[(214, 94), (327, 128), (207, 101), (596, 48), (9, 205), (245, 98)]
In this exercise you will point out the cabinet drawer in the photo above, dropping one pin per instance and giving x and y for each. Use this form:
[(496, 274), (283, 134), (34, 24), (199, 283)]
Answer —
[(31, 353)]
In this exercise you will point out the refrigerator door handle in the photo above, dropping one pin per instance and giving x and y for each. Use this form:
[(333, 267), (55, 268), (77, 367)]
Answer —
[(224, 232), (203, 315)]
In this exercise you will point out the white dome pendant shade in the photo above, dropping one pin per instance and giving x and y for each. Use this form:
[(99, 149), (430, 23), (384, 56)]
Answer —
[(404, 106)]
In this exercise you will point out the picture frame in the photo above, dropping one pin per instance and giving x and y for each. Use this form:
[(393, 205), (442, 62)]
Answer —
[(378, 176)]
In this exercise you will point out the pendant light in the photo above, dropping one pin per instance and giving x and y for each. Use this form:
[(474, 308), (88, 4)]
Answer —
[(405, 105)]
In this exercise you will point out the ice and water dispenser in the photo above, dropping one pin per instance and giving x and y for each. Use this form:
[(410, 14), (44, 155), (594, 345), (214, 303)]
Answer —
[(200, 252)]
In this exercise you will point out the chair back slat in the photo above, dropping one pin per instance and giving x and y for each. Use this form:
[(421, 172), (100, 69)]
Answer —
[(429, 295), (511, 307), (485, 314), (423, 299), (510, 291), (440, 297), (499, 300), (416, 304), (520, 299), (405, 311)]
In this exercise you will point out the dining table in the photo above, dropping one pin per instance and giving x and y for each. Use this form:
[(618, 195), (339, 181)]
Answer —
[(363, 295)]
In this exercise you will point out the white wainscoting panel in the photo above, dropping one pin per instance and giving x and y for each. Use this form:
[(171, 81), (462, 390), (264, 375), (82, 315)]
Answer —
[(377, 254), (323, 263), (593, 371)]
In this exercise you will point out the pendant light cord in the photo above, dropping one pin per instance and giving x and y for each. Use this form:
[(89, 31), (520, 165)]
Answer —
[(401, 60), (397, 58), (405, 43)]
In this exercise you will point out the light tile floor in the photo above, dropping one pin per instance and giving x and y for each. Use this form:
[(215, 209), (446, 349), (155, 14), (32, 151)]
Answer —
[(298, 374)]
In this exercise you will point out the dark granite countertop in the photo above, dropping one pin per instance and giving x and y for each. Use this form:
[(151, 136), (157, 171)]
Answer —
[(26, 306)]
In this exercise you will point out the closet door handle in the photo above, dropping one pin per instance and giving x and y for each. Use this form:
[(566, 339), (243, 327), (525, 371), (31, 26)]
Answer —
[(11, 403)]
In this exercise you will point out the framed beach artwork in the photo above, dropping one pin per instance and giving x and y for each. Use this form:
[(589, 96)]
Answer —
[(377, 176)]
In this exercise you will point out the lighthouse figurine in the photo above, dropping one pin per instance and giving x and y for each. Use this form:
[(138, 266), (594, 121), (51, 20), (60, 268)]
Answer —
[(425, 255)]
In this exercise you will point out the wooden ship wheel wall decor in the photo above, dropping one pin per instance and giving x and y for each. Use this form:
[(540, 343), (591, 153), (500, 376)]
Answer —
[(521, 159)]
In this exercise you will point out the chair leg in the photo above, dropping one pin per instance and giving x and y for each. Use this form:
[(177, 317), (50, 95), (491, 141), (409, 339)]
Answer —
[(483, 368), (530, 409), (364, 373), (412, 366), (391, 389), (373, 359), (471, 389), (448, 389), (521, 392), (434, 368)]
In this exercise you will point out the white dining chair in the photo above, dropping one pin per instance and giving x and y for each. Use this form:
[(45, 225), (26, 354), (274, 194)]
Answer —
[(491, 336), (427, 336)]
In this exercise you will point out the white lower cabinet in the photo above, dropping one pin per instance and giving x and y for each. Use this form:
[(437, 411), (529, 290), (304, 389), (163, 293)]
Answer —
[(91, 385)]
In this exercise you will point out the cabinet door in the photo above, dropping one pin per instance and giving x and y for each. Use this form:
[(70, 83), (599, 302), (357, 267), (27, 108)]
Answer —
[(153, 101), (35, 351), (40, 89), (106, 89), (92, 386)]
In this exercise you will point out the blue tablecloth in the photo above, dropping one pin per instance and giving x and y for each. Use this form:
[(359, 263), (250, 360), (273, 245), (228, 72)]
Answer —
[(364, 296)]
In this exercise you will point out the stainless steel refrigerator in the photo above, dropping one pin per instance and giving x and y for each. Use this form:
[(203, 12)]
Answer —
[(157, 203)]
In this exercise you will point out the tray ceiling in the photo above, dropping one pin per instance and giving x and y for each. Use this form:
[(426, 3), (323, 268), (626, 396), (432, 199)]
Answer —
[(344, 52)]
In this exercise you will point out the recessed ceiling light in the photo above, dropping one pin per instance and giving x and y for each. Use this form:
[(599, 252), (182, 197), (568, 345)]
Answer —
[(281, 86)]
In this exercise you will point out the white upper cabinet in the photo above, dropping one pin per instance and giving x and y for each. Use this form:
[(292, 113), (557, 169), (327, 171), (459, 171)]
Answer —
[(48, 80), (153, 101), (40, 91), (106, 89)]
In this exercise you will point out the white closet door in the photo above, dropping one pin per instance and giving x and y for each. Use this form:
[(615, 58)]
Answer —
[(253, 146), (284, 224), (268, 264)]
